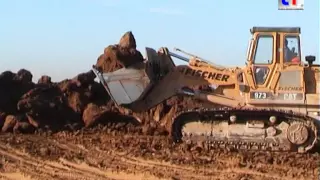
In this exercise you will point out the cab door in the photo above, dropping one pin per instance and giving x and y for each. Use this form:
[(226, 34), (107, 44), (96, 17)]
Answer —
[(264, 62)]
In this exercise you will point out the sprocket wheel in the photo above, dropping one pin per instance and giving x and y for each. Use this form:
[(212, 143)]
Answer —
[(298, 133)]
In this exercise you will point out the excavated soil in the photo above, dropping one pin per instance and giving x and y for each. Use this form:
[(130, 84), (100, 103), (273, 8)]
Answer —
[(72, 130), (98, 153)]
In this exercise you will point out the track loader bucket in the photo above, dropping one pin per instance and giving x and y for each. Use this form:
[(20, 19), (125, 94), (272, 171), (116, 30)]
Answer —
[(125, 85)]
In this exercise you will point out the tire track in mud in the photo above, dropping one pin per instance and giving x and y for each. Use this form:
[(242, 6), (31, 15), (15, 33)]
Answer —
[(43, 169), (122, 162), (61, 169), (187, 172), (227, 164), (85, 157), (13, 176), (139, 164)]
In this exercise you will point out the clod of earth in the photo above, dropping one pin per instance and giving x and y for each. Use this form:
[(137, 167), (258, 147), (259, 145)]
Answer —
[(80, 100)]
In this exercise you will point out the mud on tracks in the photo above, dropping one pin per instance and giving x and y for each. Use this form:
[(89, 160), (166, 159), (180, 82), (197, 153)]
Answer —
[(97, 154)]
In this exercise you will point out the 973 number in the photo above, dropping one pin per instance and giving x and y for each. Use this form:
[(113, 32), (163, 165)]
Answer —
[(260, 95)]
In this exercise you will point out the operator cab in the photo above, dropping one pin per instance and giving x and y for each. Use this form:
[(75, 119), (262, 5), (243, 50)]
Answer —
[(273, 47), (274, 64)]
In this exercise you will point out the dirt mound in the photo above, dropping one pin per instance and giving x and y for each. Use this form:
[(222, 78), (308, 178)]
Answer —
[(12, 87), (45, 80), (25, 106), (125, 54), (80, 101), (71, 103)]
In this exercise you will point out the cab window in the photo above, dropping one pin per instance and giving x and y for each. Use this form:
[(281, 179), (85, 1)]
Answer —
[(264, 50), (291, 49), (263, 56)]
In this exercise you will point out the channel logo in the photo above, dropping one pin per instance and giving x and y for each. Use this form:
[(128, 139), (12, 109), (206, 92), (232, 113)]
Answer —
[(290, 4)]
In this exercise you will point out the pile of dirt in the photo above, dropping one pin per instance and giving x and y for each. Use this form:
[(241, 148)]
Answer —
[(80, 101), (125, 54), (25, 106)]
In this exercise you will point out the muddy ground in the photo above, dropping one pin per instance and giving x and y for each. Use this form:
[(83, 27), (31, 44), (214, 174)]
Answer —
[(64, 130), (97, 153)]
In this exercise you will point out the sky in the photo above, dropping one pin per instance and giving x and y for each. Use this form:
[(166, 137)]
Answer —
[(62, 38)]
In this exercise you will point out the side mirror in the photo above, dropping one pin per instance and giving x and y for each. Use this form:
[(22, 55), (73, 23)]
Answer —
[(310, 59)]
